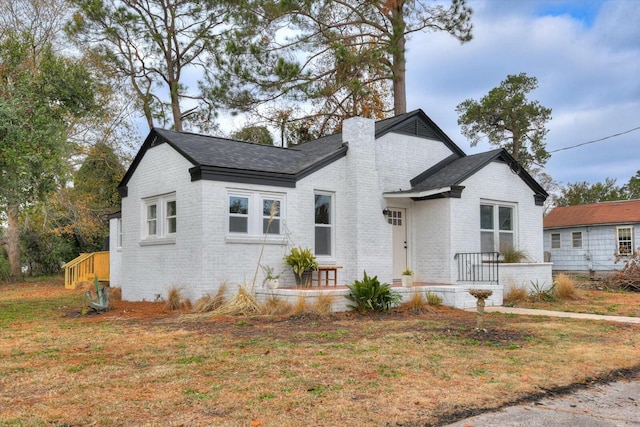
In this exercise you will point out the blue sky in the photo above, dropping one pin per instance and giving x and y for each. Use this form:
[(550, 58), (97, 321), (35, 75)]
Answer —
[(586, 57)]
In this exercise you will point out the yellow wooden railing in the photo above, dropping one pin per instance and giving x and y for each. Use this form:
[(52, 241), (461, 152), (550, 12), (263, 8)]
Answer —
[(85, 267)]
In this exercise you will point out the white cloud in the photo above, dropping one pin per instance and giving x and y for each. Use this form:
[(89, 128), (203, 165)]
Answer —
[(586, 56)]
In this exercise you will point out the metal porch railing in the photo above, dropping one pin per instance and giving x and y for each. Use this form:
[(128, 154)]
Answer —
[(477, 266), (85, 267)]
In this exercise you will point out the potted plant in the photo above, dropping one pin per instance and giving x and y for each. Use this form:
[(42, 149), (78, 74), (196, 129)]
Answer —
[(271, 279), (407, 278), (303, 262)]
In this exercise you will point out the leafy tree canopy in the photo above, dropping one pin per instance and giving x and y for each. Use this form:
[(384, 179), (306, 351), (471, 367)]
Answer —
[(507, 119), (345, 57), (255, 134), (581, 193)]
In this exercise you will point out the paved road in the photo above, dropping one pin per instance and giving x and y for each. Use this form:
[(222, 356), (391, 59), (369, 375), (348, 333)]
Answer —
[(604, 405)]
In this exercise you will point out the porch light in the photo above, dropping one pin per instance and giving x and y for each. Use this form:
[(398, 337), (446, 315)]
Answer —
[(386, 212)]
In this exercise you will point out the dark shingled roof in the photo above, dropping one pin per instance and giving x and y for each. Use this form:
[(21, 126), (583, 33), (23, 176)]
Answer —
[(229, 160), (618, 212), (238, 161), (202, 150)]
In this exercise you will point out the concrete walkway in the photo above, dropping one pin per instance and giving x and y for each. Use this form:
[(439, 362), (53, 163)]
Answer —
[(550, 313)]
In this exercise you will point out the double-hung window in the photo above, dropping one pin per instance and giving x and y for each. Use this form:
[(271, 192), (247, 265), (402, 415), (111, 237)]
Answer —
[(624, 237), (119, 230), (576, 239), (253, 214), (555, 241), (271, 217), (324, 224), (160, 217), (238, 214), (497, 230)]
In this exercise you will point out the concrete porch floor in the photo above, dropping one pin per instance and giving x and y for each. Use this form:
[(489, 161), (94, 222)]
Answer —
[(452, 295)]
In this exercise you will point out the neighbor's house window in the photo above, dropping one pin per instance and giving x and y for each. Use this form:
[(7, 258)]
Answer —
[(576, 239), (324, 224), (625, 240), (253, 213), (161, 216), (555, 240), (496, 227)]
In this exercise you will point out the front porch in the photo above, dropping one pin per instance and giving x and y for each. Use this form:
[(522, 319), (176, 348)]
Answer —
[(452, 295)]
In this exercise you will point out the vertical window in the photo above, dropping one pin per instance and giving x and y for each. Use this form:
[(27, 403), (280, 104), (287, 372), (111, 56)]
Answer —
[(152, 219), (625, 240), (323, 224), (171, 217), (576, 239), (238, 214), (486, 229), (555, 241), (496, 228), (119, 238), (270, 216)]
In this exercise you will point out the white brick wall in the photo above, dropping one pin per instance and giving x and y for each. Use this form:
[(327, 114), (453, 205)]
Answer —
[(148, 271), (202, 257)]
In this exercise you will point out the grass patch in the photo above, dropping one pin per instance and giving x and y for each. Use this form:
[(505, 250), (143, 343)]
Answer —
[(178, 368)]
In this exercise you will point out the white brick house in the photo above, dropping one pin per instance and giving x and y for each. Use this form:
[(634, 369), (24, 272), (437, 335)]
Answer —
[(381, 197)]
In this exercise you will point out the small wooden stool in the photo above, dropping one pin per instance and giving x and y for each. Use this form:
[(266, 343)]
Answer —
[(324, 270)]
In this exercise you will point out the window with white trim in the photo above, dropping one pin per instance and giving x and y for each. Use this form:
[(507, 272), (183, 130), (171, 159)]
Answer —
[(271, 218), (497, 230), (624, 237), (576, 239), (254, 214), (119, 231), (238, 214), (555, 241), (323, 224), (160, 217)]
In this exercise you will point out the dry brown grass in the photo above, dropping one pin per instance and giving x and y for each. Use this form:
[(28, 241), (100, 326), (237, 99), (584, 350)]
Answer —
[(322, 304), (380, 369), (416, 303), (115, 294), (210, 303), (176, 299), (276, 307), (300, 306), (515, 294), (565, 287)]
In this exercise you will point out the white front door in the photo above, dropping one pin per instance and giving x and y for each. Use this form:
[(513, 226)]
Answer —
[(398, 219)]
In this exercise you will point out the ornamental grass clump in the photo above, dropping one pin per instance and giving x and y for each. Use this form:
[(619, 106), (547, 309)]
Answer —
[(565, 287), (176, 299), (369, 294), (210, 302)]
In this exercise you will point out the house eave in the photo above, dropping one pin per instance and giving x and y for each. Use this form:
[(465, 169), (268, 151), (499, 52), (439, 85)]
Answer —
[(216, 173), (415, 194)]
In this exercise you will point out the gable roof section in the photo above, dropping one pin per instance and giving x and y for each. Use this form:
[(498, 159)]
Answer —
[(416, 123), (617, 212), (215, 158), (445, 178)]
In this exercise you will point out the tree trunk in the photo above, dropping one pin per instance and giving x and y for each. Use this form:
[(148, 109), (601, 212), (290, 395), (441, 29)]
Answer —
[(13, 244), (399, 65)]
